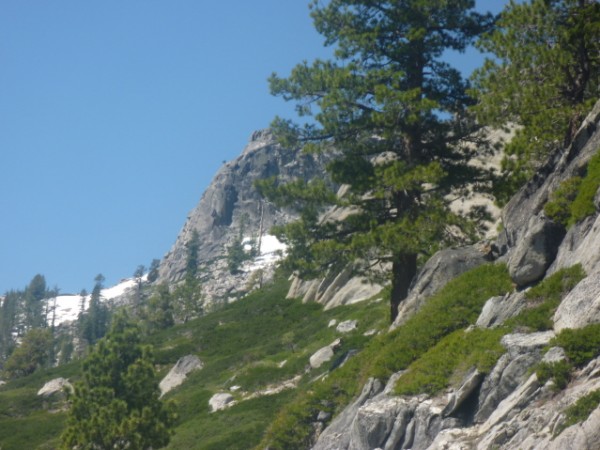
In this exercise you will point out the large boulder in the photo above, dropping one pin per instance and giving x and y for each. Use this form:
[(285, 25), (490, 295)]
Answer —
[(221, 401), (535, 251), (441, 268), (343, 288), (498, 309), (324, 354), (336, 436), (581, 306), (55, 386), (523, 351), (179, 373)]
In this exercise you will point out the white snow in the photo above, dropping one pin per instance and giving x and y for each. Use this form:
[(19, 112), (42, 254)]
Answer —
[(68, 307), (271, 251)]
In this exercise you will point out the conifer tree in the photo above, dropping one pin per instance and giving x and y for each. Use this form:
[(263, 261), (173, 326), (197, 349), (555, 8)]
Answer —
[(392, 115), (116, 404), (94, 322), (543, 77), (34, 352)]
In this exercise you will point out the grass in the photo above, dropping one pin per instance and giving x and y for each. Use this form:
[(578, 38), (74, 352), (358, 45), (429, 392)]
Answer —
[(451, 359), (580, 410), (243, 343), (455, 307), (573, 200), (544, 298)]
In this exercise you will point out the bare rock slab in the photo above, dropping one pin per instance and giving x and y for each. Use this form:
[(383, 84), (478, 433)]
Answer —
[(581, 306), (221, 401), (324, 354), (179, 373), (57, 385)]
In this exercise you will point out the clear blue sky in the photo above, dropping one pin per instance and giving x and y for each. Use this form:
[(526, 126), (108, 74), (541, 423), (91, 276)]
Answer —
[(115, 116)]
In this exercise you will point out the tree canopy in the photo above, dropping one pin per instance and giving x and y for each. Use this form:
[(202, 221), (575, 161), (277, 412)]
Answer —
[(543, 77), (392, 113), (116, 404)]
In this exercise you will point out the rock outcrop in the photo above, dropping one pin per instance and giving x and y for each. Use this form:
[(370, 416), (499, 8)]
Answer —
[(230, 206), (55, 386), (179, 373)]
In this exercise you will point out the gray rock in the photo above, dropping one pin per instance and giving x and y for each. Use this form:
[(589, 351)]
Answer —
[(179, 373), (585, 435), (336, 435), (469, 385), (536, 251), (231, 204), (511, 370), (498, 309), (346, 326), (581, 306), (580, 246), (334, 290), (554, 354), (221, 401), (55, 386), (441, 268), (324, 354)]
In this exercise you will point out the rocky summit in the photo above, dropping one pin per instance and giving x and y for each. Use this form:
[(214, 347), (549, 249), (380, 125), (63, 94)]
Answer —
[(230, 208)]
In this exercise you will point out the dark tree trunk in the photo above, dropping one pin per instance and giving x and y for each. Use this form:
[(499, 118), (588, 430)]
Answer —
[(404, 269)]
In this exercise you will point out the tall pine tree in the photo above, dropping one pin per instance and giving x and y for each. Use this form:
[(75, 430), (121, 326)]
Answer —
[(392, 113), (116, 404)]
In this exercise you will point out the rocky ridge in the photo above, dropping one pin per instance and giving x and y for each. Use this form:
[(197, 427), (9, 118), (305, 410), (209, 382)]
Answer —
[(231, 206)]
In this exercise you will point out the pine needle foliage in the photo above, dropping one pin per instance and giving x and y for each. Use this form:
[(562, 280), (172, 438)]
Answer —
[(391, 113), (116, 405)]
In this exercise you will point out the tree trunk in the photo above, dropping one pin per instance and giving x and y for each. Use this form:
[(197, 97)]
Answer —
[(404, 269)]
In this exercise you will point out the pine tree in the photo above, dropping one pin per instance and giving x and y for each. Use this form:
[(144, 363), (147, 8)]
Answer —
[(94, 322), (543, 77), (392, 113), (34, 352), (187, 296), (116, 404), (34, 307), (159, 312), (153, 270)]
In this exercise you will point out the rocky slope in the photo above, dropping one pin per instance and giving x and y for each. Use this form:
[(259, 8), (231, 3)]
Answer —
[(231, 206), (508, 408)]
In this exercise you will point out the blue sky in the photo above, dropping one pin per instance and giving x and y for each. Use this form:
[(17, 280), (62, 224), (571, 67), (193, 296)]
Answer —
[(115, 116)]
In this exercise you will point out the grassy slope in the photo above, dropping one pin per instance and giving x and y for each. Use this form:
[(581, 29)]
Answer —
[(242, 344)]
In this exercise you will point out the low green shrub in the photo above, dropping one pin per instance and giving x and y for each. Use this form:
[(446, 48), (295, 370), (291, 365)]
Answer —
[(558, 207), (558, 371), (581, 345), (581, 409), (573, 200), (544, 298), (452, 358), (454, 307)]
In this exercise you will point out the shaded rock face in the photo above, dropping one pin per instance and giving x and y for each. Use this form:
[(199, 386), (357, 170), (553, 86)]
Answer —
[(441, 268), (523, 217), (230, 206)]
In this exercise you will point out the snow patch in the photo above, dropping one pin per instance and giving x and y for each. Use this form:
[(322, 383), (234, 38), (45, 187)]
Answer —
[(67, 307)]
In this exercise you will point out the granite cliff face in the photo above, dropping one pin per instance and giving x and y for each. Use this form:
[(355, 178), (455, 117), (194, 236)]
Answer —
[(231, 206)]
